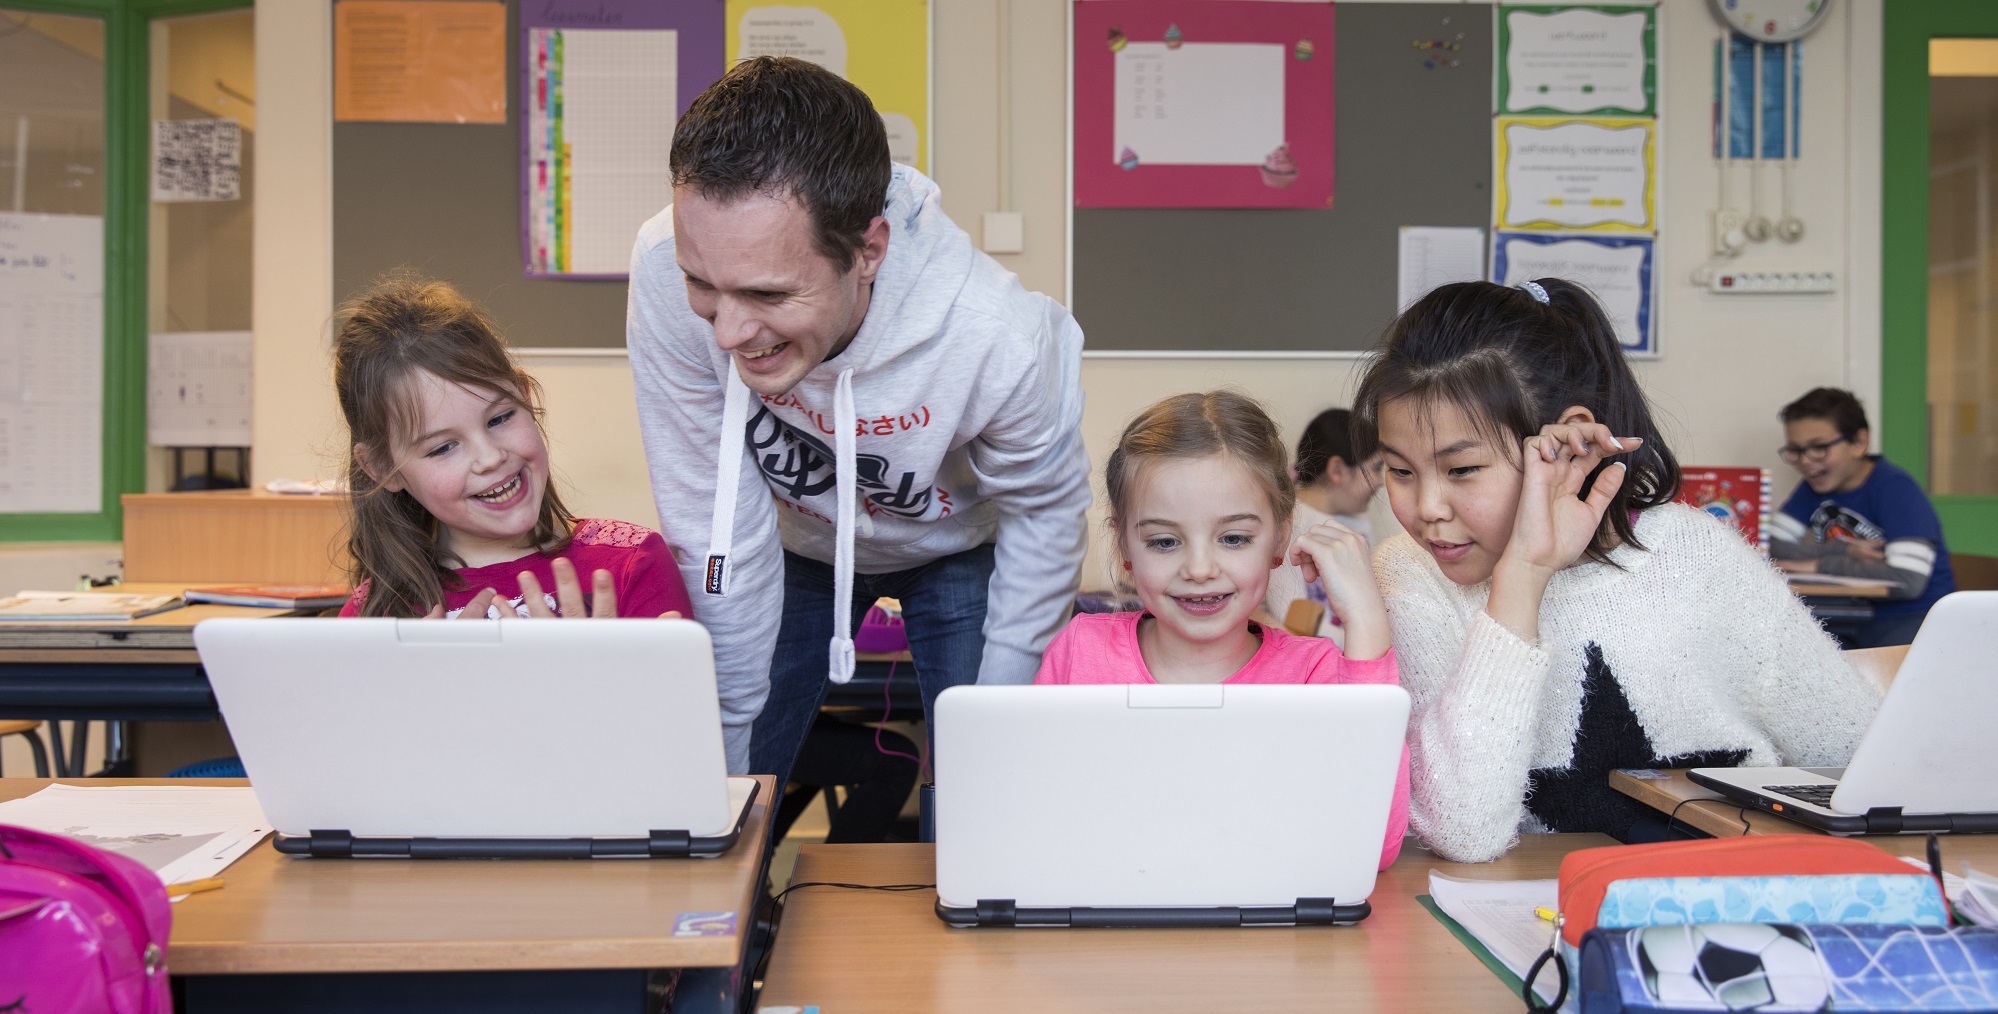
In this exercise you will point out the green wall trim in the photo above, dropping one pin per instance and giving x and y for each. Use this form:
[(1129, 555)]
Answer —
[(127, 158), (1968, 521)]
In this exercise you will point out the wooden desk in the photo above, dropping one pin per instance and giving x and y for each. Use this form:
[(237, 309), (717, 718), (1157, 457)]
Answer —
[(885, 952), (235, 536), (1836, 591), (129, 670), (279, 914)]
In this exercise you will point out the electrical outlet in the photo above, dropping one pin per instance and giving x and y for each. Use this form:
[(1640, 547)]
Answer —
[(1728, 234), (1773, 282)]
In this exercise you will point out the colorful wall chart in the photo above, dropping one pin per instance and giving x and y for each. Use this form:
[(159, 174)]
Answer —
[(1575, 155), (1203, 104), (602, 84), (880, 45)]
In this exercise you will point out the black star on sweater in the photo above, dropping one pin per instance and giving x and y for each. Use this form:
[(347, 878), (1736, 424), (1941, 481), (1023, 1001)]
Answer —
[(1609, 736)]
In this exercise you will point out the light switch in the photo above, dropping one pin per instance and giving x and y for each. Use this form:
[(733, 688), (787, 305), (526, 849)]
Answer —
[(1004, 232)]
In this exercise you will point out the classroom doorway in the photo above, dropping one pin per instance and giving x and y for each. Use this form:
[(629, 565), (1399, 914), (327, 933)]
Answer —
[(1939, 336)]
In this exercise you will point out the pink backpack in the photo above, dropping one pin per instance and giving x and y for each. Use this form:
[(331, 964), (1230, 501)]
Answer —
[(81, 929)]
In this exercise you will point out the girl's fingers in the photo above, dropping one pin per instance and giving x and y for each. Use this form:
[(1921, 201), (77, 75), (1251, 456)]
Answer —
[(603, 605), (436, 612), (532, 598), (1605, 489), (568, 590), (476, 609), (671, 614)]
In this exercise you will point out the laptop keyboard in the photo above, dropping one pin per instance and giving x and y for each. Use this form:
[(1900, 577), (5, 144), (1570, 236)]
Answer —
[(1818, 795)]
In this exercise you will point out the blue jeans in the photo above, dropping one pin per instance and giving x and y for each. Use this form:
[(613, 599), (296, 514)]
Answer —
[(943, 611)]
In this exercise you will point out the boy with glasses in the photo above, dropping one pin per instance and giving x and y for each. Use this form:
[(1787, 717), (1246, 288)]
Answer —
[(1858, 515)]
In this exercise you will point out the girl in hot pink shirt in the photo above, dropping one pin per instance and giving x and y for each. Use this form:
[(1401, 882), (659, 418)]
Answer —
[(1200, 498)]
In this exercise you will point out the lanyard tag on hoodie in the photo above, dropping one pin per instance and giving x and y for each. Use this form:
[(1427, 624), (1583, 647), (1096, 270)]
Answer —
[(717, 579)]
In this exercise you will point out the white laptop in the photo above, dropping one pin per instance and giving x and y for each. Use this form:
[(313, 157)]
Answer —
[(472, 738), (1151, 805), (1927, 762)]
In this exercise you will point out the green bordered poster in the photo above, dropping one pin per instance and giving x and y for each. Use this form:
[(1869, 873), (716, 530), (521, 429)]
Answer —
[(1568, 61)]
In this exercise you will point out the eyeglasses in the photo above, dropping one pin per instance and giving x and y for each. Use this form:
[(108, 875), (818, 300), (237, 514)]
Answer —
[(1809, 452)]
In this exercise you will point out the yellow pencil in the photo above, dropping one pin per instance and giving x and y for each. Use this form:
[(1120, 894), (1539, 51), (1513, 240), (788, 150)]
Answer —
[(193, 887)]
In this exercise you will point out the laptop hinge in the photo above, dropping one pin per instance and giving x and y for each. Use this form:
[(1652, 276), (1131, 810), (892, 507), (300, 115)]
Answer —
[(1317, 911), (663, 844), (997, 912), (324, 844), (1884, 820)]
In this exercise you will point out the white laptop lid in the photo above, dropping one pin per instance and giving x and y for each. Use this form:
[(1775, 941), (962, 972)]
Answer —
[(1929, 749), (1145, 795), (473, 728)]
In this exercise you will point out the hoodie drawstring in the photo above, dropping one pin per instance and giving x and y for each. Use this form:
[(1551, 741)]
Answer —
[(728, 473), (844, 421)]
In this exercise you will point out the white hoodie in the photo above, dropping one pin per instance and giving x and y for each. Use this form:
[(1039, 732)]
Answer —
[(951, 420)]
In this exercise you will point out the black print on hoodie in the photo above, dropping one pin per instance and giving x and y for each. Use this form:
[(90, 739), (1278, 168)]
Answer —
[(799, 465)]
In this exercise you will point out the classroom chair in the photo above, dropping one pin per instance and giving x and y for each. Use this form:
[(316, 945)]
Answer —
[(28, 729), (1973, 572), (1303, 617)]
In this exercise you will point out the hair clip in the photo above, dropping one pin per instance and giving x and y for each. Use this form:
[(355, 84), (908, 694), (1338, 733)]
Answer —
[(1533, 289)]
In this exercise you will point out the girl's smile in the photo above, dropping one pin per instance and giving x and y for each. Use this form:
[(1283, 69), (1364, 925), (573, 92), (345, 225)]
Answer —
[(1450, 488), (479, 466)]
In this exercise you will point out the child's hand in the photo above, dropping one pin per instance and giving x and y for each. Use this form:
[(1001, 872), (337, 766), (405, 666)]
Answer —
[(1554, 525), (1870, 550), (474, 610), (569, 594), (1338, 557)]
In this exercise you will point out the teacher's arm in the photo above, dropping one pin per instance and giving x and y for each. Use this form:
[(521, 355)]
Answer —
[(679, 380)]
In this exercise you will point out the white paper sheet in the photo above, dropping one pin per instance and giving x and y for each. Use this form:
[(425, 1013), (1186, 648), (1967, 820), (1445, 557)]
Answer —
[(1577, 175), (1614, 273), (1438, 255), (198, 389), (1577, 60), (1500, 914), (179, 832), (51, 363), (1210, 103), (197, 160), (619, 103)]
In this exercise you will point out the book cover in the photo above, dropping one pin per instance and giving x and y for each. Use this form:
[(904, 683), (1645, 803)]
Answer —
[(1738, 496), (272, 596), (57, 607)]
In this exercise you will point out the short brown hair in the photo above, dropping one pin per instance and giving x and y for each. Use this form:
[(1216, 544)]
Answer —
[(785, 127), (383, 338), (1834, 405), (1195, 426)]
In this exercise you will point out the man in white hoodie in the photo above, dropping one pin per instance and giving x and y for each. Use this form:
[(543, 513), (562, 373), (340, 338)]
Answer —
[(842, 399)]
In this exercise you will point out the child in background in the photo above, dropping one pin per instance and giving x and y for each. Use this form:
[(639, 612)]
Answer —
[(1331, 486), (1555, 615), (454, 513), (1859, 515), (1201, 501)]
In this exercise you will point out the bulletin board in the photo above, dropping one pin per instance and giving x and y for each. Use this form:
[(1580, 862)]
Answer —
[(1413, 83), (445, 199)]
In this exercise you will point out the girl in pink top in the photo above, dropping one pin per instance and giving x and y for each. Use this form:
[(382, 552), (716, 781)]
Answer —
[(453, 509), (1200, 499)]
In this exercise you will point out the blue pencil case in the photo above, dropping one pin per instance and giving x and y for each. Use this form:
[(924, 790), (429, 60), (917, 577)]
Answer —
[(1773, 968)]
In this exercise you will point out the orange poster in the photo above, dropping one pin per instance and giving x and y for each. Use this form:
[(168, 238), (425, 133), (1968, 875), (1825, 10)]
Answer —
[(419, 61)]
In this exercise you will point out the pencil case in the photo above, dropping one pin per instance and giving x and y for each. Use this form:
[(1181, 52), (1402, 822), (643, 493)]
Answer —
[(1775, 967), (1771, 879)]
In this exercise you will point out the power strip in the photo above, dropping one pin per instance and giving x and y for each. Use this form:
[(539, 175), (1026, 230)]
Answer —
[(1761, 282)]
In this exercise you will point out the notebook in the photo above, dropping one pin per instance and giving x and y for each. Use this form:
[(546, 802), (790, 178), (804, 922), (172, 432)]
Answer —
[(60, 606), (1926, 762), (1150, 805), (475, 738), (272, 596)]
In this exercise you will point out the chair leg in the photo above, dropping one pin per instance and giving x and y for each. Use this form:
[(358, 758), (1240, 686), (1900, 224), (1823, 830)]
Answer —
[(61, 755), (41, 755)]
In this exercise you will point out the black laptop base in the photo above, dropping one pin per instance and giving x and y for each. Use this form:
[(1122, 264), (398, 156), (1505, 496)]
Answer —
[(1004, 914), (339, 844), (1879, 820)]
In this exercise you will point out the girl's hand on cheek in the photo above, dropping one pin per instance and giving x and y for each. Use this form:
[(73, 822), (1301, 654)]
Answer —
[(1339, 558), (1554, 524)]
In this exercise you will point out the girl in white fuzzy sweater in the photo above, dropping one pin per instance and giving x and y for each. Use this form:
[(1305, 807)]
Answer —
[(1555, 615)]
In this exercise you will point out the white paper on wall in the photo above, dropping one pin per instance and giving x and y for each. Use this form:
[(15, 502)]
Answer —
[(197, 160), (619, 94), (1211, 103), (1437, 255), (198, 389), (1577, 174), (51, 363), (1577, 60)]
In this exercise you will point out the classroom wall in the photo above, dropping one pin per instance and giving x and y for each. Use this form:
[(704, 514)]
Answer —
[(1729, 362)]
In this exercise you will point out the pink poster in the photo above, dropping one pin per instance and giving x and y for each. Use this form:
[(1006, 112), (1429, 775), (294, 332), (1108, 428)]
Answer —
[(1203, 104)]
